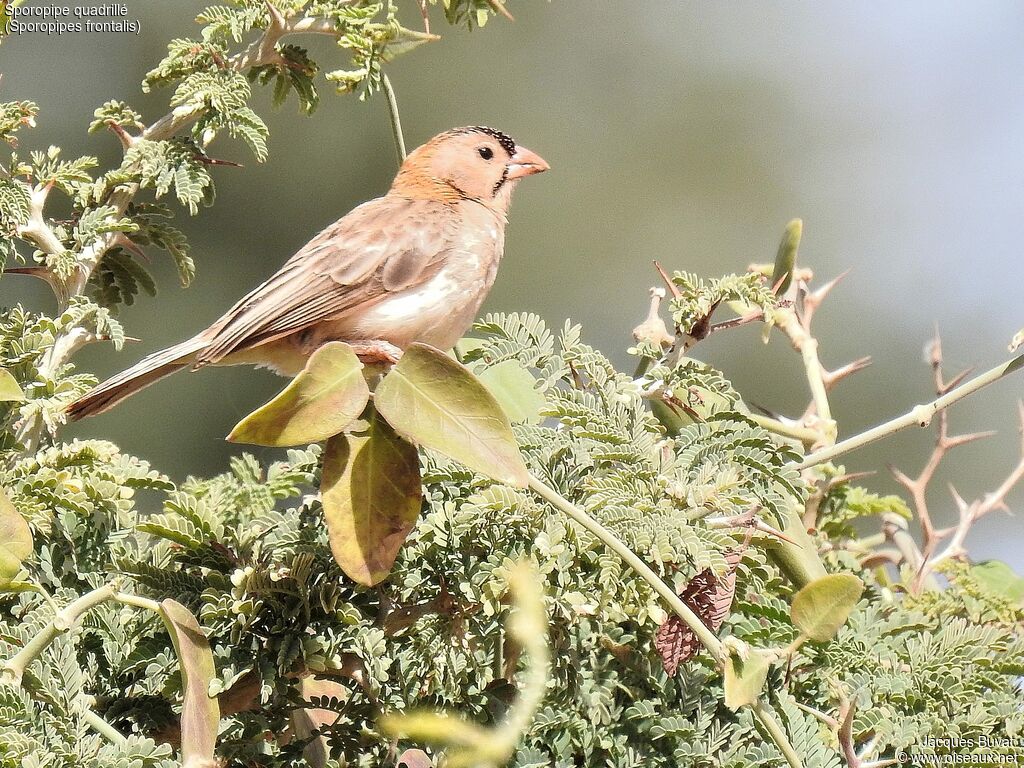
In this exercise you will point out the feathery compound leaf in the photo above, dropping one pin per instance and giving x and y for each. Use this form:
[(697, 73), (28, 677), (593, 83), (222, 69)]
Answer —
[(15, 539), (115, 113), (821, 608), (371, 497), (326, 396), (14, 115), (173, 163), (438, 403), (15, 206)]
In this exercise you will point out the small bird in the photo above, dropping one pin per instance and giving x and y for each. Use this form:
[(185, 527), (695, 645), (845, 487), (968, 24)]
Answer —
[(413, 265)]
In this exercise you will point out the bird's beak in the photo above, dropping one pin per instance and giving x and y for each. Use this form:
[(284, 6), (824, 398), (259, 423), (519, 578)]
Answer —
[(525, 163)]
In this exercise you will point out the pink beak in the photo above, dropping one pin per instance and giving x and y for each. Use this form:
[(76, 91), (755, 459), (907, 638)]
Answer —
[(525, 163)]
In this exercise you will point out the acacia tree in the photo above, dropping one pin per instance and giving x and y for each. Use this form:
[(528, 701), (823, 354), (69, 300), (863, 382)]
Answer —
[(691, 583)]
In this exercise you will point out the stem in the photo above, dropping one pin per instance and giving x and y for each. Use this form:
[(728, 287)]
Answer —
[(767, 719), (14, 669), (396, 119), (707, 638), (920, 415), (139, 602), (807, 345), (103, 728), (805, 435), (705, 635)]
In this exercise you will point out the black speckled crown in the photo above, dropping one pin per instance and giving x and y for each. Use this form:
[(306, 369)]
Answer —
[(504, 139)]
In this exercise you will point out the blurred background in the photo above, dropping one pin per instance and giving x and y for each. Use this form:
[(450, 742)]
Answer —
[(688, 132)]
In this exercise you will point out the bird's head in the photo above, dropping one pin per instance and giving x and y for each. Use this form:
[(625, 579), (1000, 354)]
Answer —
[(477, 163)]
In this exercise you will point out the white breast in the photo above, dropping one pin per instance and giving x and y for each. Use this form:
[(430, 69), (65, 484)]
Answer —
[(441, 310)]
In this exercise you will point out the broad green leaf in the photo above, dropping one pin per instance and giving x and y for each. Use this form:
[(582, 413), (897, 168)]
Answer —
[(785, 259), (822, 607), (515, 390), (15, 540), (326, 396), (10, 390), (437, 402), (999, 579), (370, 486), (200, 712), (744, 679)]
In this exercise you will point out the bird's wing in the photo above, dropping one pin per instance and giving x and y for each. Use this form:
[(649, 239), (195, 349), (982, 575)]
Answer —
[(383, 246)]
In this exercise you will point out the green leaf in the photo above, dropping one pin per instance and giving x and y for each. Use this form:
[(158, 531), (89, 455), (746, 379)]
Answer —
[(326, 396), (999, 579), (438, 403), (785, 259), (15, 540), (200, 712), (10, 390), (744, 679), (371, 497), (515, 389), (822, 607)]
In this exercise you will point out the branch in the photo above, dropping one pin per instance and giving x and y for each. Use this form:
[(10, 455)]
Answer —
[(799, 335), (971, 513), (918, 486), (920, 415)]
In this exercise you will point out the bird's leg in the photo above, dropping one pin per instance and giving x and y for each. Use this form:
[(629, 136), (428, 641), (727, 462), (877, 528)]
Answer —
[(376, 352)]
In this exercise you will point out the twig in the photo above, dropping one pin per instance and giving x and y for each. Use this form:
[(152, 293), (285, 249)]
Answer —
[(805, 435), (101, 726), (799, 335), (847, 709), (499, 7), (705, 635), (918, 486), (920, 415), (776, 731), (736, 322), (971, 513), (396, 119), (672, 287)]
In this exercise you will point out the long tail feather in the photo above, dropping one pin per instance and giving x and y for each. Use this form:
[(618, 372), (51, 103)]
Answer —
[(125, 384)]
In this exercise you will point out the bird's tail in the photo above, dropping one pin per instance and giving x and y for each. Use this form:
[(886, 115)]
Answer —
[(125, 384)]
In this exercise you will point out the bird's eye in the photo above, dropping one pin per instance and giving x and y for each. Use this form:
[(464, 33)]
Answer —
[(486, 153)]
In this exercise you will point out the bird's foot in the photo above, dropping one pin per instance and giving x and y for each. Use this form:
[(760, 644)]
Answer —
[(376, 352)]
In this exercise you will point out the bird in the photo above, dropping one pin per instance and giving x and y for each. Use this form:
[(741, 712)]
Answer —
[(414, 265)]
